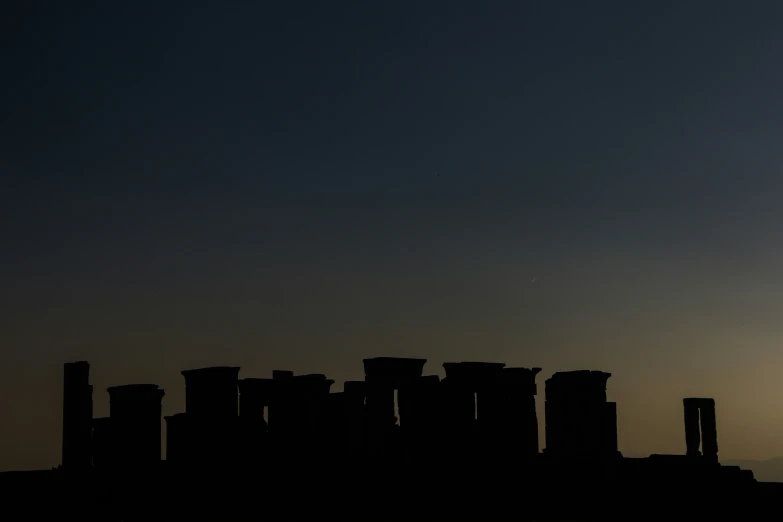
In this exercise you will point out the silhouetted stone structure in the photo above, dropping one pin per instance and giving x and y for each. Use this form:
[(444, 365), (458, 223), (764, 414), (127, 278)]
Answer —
[(255, 395), (384, 375), (179, 448), (77, 416), (212, 392), (278, 408), (419, 403), (465, 447), (579, 421), (700, 411), (209, 430), (519, 421), (353, 424), (302, 401), (475, 406), (134, 427), (102, 443)]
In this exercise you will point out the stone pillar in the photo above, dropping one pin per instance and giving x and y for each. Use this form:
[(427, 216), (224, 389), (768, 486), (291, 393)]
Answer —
[(278, 406), (459, 412), (709, 429), (355, 419), (312, 395), (473, 404), (212, 407), (459, 401), (77, 416), (491, 401), (576, 414), (610, 429), (380, 401), (211, 392), (382, 376), (355, 392), (135, 413), (380, 413), (313, 392), (521, 421), (419, 404), (692, 435), (254, 396), (178, 441), (102, 444)]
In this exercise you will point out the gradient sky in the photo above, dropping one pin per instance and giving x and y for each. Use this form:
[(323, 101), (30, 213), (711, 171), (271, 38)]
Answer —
[(300, 185)]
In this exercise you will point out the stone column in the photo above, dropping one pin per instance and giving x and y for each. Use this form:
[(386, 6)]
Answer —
[(418, 402), (135, 413), (313, 392), (521, 421), (692, 435), (354, 431), (460, 400), (77, 416), (492, 401), (102, 443), (312, 396), (380, 412), (610, 429), (178, 438), (254, 395), (382, 376), (212, 405), (459, 407), (575, 413), (355, 392), (419, 405), (278, 406), (709, 429), (212, 392)]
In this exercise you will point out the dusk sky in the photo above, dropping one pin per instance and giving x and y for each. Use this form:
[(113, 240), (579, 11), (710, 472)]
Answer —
[(300, 185)]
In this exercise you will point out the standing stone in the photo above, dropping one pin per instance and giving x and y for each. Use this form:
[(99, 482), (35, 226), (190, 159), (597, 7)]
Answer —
[(692, 435), (77, 416)]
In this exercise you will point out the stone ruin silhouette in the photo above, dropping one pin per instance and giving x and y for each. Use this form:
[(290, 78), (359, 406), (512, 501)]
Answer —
[(399, 444)]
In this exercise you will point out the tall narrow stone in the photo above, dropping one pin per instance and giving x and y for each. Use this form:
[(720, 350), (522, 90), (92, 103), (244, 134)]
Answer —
[(709, 429), (576, 414), (459, 405), (610, 429), (520, 426), (382, 376), (135, 416), (212, 406), (254, 396), (278, 407), (179, 440), (354, 419), (211, 392), (419, 404), (77, 416), (692, 435), (475, 406), (102, 443)]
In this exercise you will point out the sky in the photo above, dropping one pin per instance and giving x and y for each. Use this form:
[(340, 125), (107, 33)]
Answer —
[(300, 185)]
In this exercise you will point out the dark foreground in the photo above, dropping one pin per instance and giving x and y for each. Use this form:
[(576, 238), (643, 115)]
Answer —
[(625, 489)]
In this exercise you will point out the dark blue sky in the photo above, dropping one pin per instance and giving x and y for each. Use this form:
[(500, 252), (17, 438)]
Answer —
[(303, 184)]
